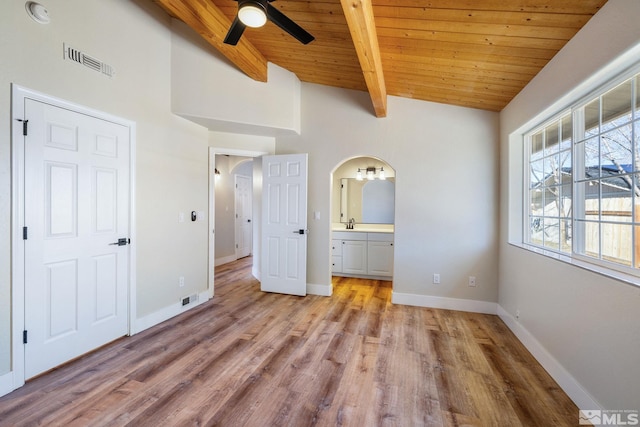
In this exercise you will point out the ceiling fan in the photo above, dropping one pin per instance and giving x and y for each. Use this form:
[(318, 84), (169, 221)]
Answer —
[(254, 13)]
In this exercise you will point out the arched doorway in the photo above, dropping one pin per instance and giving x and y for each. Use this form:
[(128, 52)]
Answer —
[(363, 218)]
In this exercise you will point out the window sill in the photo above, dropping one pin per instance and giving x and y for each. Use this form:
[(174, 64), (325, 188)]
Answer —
[(594, 268)]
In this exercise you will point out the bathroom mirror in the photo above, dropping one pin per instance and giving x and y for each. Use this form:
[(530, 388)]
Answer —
[(367, 202)]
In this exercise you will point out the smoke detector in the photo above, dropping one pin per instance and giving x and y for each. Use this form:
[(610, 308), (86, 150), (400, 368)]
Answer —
[(37, 12)]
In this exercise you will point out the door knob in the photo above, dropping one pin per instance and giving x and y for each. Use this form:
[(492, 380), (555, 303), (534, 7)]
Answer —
[(121, 242)]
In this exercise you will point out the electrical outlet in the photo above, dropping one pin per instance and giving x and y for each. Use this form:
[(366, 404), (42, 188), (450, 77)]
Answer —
[(472, 281), (181, 281), (436, 278)]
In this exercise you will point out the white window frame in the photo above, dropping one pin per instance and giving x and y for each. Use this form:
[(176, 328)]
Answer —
[(526, 236), (609, 268)]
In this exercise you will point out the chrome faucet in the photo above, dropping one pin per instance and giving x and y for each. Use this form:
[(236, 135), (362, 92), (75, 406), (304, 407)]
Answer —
[(351, 224)]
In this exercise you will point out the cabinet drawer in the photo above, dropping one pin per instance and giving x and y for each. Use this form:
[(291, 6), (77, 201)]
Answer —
[(348, 235), (336, 247), (381, 237)]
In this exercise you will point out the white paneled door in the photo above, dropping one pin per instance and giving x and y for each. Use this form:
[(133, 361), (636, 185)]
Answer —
[(284, 224), (77, 228), (244, 227)]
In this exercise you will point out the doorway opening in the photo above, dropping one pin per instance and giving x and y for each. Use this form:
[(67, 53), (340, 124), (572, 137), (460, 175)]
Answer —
[(233, 208), (228, 167), (363, 219)]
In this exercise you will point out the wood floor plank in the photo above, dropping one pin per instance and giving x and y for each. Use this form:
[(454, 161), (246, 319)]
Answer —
[(249, 358)]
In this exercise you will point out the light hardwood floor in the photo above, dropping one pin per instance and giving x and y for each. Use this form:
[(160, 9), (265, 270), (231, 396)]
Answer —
[(248, 358)]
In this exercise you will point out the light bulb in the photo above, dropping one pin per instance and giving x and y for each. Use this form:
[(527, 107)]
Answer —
[(252, 16), (382, 175), (370, 175), (359, 175)]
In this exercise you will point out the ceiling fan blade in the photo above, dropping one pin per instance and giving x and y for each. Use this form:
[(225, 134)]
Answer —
[(288, 25), (235, 32)]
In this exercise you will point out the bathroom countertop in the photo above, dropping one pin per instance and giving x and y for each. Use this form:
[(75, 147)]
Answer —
[(365, 228)]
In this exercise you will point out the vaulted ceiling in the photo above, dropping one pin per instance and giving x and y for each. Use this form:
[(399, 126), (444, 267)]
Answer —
[(471, 53)]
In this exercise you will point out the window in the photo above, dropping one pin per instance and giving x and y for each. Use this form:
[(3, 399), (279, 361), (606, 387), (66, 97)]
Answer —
[(584, 180), (550, 188)]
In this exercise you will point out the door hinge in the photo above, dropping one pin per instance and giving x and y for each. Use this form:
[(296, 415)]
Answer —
[(24, 126), (25, 233), (24, 336)]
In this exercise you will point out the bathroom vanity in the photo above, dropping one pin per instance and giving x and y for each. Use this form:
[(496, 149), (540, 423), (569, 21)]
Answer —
[(359, 253)]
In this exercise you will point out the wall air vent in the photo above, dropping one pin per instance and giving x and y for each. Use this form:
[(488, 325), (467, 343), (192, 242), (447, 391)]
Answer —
[(189, 300), (82, 58)]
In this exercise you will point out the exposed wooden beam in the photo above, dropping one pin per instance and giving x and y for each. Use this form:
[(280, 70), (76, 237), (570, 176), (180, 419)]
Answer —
[(359, 14), (205, 18)]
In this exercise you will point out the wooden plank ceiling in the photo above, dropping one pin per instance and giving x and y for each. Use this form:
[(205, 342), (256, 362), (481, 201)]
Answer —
[(471, 53)]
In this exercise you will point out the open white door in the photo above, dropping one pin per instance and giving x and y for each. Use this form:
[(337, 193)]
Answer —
[(284, 224)]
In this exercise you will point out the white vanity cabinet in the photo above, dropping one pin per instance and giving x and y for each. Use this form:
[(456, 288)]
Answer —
[(361, 254)]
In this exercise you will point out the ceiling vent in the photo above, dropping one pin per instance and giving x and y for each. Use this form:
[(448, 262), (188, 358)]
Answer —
[(82, 58)]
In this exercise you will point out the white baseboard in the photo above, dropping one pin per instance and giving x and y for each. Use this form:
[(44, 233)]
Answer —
[(322, 290), (167, 313), (570, 385), (459, 304), (224, 260), (6, 383)]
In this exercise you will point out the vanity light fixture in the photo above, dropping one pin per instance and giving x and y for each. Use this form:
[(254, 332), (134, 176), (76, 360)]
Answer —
[(370, 173)]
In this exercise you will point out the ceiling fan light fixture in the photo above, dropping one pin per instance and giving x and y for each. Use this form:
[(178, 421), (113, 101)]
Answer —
[(252, 14)]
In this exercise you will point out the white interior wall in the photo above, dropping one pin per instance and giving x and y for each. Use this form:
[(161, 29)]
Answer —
[(583, 321), (134, 37), (235, 103), (243, 145), (446, 186)]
